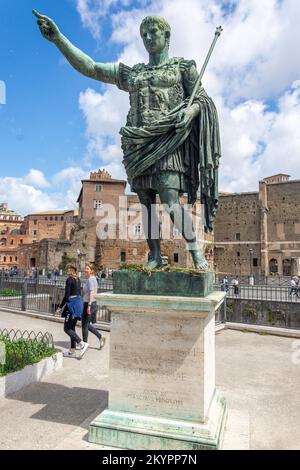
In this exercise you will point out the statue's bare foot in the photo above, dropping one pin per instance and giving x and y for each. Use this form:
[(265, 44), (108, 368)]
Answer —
[(199, 260), (203, 266), (154, 263)]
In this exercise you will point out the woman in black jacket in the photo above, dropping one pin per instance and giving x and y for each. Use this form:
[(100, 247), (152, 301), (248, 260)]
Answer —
[(71, 309)]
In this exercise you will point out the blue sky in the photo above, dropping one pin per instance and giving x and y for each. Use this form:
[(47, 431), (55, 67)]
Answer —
[(57, 125), (40, 125)]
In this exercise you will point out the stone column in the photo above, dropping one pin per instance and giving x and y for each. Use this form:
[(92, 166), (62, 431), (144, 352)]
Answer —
[(263, 197)]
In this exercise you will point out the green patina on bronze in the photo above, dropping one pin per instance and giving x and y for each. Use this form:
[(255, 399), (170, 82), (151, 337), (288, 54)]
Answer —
[(171, 140), (177, 284)]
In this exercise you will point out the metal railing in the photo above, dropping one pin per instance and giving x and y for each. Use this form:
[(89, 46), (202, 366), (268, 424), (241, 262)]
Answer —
[(45, 298), (42, 298), (275, 280), (258, 292)]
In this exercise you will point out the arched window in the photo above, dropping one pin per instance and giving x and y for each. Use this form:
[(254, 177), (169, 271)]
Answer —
[(273, 266), (287, 267), (3, 242)]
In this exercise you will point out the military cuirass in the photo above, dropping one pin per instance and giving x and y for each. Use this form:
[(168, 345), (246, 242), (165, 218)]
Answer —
[(154, 91)]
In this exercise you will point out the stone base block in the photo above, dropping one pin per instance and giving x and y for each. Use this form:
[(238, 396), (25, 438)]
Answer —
[(174, 284), (140, 432)]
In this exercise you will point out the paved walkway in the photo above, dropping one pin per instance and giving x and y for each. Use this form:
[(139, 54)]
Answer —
[(42, 415), (255, 373)]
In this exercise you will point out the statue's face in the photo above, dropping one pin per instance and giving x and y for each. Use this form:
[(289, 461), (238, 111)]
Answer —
[(154, 38)]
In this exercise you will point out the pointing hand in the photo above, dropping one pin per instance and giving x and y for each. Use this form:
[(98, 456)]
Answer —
[(47, 26)]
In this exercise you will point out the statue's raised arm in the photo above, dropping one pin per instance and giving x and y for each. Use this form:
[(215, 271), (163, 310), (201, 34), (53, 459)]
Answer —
[(78, 59)]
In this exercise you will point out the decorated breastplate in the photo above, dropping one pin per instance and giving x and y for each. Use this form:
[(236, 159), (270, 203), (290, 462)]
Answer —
[(154, 91)]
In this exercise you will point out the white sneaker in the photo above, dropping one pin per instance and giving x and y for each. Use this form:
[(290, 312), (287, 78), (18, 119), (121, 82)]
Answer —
[(102, 342), (83, 350), (69, 354)]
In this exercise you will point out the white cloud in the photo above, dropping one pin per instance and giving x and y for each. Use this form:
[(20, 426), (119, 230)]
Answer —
[(255, 62), (92, 11), (69, 183), (24, 198), (69, 176), (32, 193), (104, 115), (36, 178)]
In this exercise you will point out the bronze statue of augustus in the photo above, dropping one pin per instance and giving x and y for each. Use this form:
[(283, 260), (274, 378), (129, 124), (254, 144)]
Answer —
[(171, 146)]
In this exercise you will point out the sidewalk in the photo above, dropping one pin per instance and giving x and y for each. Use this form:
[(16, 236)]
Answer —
[(42, 415), (255, 373)]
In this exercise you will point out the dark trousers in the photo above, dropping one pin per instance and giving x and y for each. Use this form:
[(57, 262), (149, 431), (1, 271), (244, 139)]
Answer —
[(86, 322), (69, 328), (236, 290)]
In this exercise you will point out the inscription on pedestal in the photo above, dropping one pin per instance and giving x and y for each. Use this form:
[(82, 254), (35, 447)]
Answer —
[(157, 366)]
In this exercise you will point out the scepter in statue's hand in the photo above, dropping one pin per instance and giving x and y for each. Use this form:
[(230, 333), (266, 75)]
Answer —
[(185, 116), (218, 32), (47, 27)]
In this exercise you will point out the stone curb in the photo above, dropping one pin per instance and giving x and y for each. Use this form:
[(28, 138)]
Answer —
[(271, 330), (15, 381)]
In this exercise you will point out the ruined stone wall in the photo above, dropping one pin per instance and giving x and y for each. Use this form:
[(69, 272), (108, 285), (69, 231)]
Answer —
[(236, 231), (263, 312), (283, 226)]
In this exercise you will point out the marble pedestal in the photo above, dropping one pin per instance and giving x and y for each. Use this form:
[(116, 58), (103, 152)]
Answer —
[(162, 391)]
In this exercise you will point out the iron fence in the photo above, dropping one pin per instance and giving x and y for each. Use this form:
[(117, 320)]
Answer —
[(45, 298), (42, 298), (21, 348), (274, 280), (265, 292)]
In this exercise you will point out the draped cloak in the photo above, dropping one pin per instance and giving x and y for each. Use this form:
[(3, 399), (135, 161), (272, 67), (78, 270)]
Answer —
[(200, 144)]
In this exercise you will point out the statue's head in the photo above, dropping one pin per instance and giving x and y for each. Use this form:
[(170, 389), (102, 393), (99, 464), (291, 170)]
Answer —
[(155, 32)]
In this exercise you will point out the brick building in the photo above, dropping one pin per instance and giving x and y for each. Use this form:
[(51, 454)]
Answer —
[(53, 224), (11, 235), (259, 232), (40, 230)]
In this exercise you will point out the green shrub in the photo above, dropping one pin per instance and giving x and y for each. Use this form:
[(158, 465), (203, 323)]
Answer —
[(9, 293), (167, 268), (23, 352), (65, 260)]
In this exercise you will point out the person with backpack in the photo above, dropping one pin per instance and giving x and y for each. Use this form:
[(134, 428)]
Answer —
[(90, 288), (71, 308)]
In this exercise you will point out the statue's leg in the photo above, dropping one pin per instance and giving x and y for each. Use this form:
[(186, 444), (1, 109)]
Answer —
[(184, 223), (151, 226)]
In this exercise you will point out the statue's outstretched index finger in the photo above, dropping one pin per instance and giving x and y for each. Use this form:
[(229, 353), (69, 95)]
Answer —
[(39, 16)]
